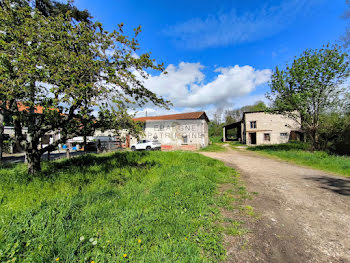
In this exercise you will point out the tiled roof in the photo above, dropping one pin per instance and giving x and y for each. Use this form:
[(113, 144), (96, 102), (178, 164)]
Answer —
[(37, 109), (181, 116), (21, 107)]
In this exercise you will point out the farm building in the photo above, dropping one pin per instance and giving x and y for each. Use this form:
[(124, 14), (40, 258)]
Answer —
[(258, 128), (187, 131)]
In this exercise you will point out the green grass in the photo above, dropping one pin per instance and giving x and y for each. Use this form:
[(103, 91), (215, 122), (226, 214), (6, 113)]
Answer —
[(215, 139), (296, 152), (215, 147), (219, 146), (146, 206)]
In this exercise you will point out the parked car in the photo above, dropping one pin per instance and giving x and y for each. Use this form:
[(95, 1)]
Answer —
[(146, 145)]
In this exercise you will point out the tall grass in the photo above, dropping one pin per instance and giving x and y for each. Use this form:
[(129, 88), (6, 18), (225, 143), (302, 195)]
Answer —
[(120, 207), (298, 153)]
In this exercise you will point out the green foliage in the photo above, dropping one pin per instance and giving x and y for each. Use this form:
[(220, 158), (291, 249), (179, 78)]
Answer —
[(297, 152), (334, 132), (293, 145), (215, 130), (75, 71), (151, 206), (54, 8), (311, 86), (215, 139)]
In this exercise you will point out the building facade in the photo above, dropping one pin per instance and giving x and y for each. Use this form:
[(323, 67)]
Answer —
[(186, 131), (257, 128)]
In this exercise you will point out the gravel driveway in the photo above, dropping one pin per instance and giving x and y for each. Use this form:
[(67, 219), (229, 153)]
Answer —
[(303, 215)]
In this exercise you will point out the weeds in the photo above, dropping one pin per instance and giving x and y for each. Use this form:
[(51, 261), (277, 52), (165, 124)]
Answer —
[(119, 207)]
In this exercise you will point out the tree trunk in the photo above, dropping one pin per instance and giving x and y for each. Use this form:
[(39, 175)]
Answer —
[(32, 152), (314, 140), (84, 144), (33, 164)]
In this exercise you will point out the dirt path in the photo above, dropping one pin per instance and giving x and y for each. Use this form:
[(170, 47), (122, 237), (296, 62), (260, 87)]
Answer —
[(303, 214)]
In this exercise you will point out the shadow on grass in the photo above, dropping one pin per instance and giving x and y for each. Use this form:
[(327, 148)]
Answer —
[(105, 163), (8, 165), (336, 185), (292, 146)]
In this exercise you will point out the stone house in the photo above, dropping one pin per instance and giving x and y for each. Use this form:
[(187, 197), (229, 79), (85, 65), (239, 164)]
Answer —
[(186, 131), (258, 128)]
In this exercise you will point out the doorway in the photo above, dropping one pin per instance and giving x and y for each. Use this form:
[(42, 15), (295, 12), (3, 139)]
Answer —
[(252, 138)]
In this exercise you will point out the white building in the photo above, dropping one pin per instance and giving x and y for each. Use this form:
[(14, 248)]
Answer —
[(187, 131)]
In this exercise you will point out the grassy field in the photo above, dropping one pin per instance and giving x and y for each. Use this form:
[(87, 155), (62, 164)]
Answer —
[(117, 207), (296, 152)]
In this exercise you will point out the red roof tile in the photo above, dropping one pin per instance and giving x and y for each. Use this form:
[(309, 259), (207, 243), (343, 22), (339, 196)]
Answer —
[(181, 116), (37, 109)]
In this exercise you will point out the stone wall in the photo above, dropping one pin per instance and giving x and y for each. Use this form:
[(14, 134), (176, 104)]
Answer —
[(277, 126)]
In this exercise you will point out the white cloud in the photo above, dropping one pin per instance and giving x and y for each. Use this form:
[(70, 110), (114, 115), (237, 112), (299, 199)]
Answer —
[(184, 85), (234, 27), (174, 85), (250, 100)]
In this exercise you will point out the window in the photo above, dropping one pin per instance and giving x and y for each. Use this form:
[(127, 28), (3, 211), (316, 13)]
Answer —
[(283, 134), (253, 124), (267, 137), (184, 139)]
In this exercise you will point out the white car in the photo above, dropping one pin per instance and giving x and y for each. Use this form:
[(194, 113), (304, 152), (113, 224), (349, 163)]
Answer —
[(146, 145)]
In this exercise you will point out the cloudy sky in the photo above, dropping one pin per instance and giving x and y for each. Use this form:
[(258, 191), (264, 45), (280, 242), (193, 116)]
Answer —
[(220, 54)]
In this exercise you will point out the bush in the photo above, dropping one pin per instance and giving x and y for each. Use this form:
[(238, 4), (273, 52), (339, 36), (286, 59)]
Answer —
[(215, 139), (291, 146)]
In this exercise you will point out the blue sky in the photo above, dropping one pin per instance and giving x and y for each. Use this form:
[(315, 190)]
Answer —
[(220, 53)]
